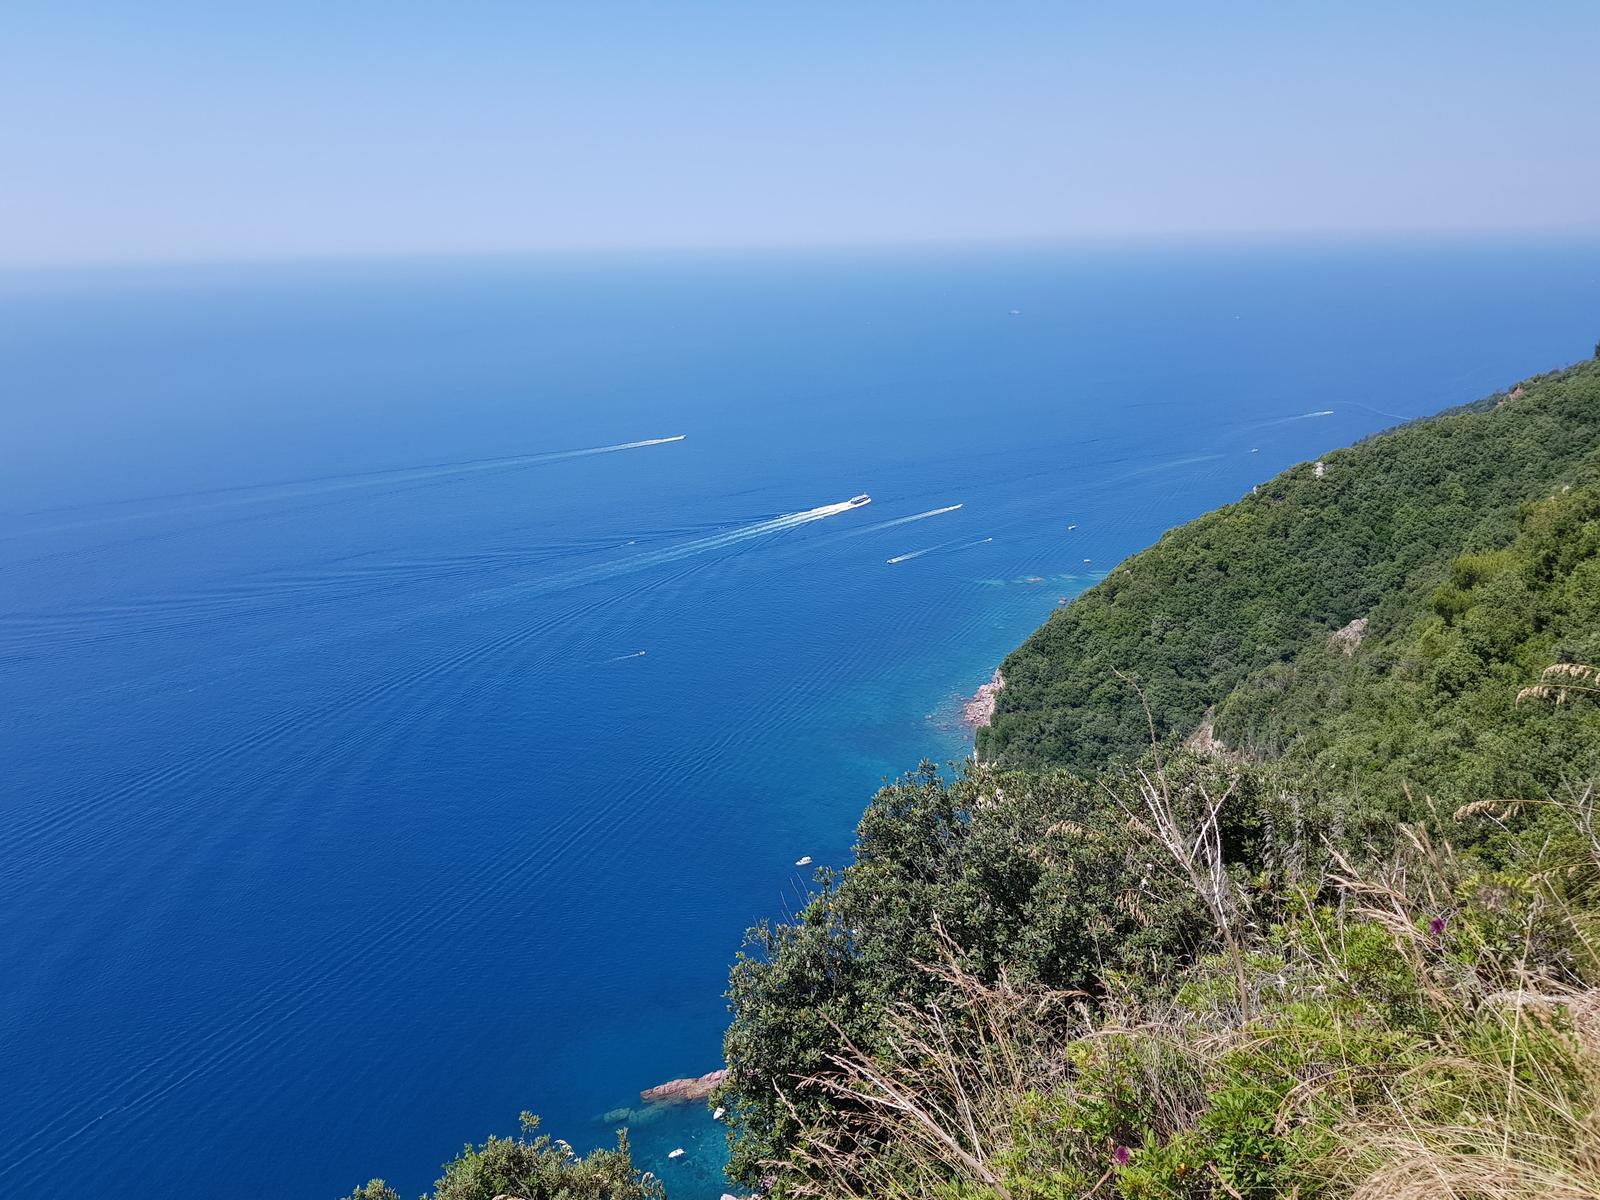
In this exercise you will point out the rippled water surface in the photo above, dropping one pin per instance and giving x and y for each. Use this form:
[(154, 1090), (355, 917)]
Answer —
[(414, 678)]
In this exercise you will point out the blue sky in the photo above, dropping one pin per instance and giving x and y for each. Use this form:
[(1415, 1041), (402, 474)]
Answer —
[(173, 130)]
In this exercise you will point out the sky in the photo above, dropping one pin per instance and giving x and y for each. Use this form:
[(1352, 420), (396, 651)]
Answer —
[(178, 130)]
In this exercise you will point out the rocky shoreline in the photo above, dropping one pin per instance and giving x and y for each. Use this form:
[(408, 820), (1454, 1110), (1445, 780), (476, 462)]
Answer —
[(684, 1091), (979, 711)]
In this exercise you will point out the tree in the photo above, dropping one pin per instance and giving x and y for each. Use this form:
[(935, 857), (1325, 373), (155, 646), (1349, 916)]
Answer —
[(533, 1168)]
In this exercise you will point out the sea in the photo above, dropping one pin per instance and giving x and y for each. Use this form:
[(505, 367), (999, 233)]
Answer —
[(416, 675)]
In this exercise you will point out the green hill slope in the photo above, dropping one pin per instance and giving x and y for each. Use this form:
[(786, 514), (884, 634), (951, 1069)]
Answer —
[(1233, 968), (1232, 611)]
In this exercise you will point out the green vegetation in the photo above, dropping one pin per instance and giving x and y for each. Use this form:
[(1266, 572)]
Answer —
[(1227, 600), (1406, 1040), (1281, 877), (533, 1168), (1026, 874), (1429, 698)]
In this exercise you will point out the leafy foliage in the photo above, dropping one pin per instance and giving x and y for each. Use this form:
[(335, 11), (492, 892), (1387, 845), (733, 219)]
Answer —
[(1098, 967), (374, 1189), (1424, 1027), (1430, 698), (533, 1168), (1245, 590), (1039, 877)]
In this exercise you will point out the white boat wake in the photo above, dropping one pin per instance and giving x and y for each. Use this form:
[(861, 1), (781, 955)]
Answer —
[(681, 550), (907, 557), (259, 493), (921, 516)]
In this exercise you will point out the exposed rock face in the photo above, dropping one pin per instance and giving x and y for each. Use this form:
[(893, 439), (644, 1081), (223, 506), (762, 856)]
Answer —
[(1515, 393), (1348, 638), (1319, 469), (1204, 739), (684, 1091), (979, 711)]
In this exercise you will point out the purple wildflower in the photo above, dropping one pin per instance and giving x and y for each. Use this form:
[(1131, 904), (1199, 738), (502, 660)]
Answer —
[(1121, 1156), (1436, 927)]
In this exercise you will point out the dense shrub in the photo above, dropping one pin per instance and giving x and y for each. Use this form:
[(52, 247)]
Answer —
[(1278, 967), (1224, 599), (532, 1167)]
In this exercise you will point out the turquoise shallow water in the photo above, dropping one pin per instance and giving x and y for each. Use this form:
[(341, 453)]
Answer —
[(376, 766)]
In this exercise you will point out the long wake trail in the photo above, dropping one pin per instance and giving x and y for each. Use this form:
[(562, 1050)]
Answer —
[(921, 516), (666, 554), (909, 555), (258, 493)]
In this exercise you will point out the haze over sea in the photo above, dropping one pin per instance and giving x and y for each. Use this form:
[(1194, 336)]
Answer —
[(399, 731)]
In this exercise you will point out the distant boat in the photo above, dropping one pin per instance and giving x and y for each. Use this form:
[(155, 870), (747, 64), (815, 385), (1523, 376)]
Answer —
[(858, 501), (1088, 560), (1255, 449), (803, 861), (717, 1116), (1070, 528), (678, 1153), (1015, 312)]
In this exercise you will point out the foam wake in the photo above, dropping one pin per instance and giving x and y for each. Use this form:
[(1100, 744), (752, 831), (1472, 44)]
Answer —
[(921, 516), (666, 554), (259, 493)]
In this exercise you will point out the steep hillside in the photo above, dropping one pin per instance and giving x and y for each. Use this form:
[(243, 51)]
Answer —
[(1245, 592), (1272, 961), (1429, 698)]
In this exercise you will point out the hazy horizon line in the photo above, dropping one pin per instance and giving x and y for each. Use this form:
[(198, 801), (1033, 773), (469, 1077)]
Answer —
[(1196, 237)]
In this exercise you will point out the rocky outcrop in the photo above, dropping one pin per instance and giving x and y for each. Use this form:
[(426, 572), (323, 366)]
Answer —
[(979, 711), (1204, 739), (1348, 638), (684, 1091)]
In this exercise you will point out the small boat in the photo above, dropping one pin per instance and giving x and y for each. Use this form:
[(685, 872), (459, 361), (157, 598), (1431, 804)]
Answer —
[(858, 501), (1088, 560), (678, 1153), (1255, 449), (717, 1116), (803, 861), (1015, 312), (1070, 528)]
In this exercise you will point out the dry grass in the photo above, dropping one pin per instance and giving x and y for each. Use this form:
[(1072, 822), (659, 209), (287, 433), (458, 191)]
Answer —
[(1497, 1102), (939, 1105), (1563, 681)]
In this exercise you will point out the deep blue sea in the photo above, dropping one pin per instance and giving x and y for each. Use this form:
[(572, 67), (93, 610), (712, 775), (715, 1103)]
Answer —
[(397, 733)]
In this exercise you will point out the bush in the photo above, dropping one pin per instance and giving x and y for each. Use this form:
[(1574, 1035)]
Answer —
[(533, 1168)]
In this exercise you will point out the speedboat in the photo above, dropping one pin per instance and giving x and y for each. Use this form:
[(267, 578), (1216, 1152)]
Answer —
[(858, 501)]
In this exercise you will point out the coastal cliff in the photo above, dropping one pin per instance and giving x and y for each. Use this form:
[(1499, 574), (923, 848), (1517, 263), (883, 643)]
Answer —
[(1248, 789), (1282, 880)]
